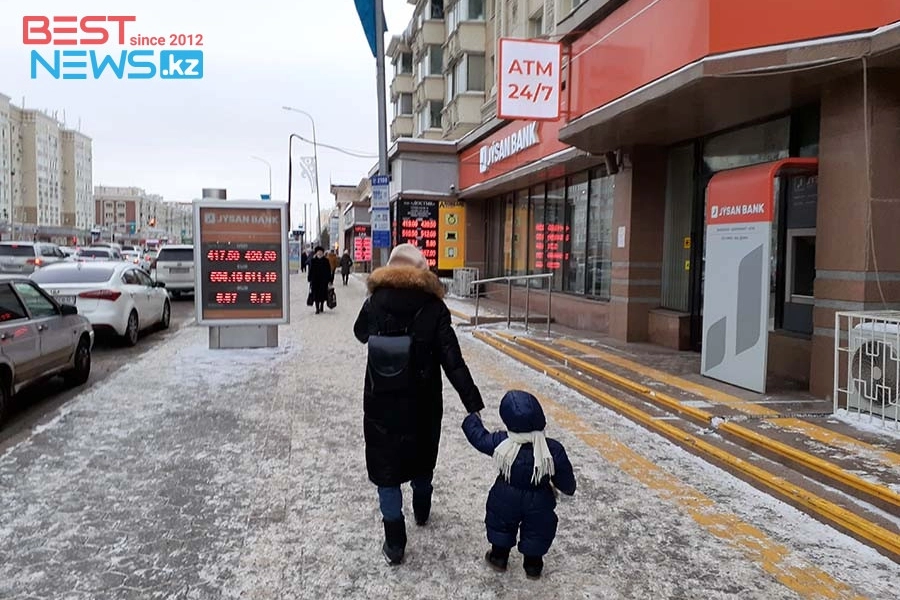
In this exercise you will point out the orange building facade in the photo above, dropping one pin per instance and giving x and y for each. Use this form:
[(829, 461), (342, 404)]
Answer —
[(661, 96)]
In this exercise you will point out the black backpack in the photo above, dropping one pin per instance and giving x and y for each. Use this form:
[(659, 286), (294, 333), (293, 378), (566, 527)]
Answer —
[(390, 351)]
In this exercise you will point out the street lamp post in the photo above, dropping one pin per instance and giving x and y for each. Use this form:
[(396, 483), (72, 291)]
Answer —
[(262, 160), (291, 175), (315, 159)]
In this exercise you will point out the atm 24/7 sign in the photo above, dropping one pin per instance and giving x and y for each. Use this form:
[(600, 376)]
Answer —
[(530, 79)]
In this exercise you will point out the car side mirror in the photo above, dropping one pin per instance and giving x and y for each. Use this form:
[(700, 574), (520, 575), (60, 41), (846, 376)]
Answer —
[(159, 284), (68, 310)]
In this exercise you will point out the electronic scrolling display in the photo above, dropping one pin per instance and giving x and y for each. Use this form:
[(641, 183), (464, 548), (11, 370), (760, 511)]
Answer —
[(242, 266)]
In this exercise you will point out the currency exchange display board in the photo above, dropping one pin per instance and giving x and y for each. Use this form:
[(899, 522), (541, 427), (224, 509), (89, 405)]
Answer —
[(241, 262)]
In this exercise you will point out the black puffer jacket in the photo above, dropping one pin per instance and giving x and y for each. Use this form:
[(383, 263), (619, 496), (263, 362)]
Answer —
[(403, 431)]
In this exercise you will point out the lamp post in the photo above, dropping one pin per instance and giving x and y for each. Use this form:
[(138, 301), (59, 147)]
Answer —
[(316, 159), (291, 175), (262, 160)]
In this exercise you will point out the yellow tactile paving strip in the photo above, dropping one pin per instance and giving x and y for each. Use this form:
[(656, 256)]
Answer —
[(804, 578), (809, 461), (811, 430)]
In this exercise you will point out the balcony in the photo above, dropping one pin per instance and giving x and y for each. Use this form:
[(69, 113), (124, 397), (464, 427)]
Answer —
[(402, 126), (469, 38), (432, 32), (430, 88), (401, 84), (462, 114)]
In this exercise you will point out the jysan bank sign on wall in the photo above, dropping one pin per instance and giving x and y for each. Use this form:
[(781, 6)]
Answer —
[(530, 79)]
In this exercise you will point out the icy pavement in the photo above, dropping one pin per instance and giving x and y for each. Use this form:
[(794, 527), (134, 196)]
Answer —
[(240, 474)]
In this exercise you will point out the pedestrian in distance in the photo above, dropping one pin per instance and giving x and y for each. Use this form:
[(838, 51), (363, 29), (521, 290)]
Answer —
[(531, 468), (402, 394), (346, 265), (334, 262), (319, 278), (304, 260)]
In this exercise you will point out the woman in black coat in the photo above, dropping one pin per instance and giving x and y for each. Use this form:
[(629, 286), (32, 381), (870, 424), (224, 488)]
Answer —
[(402, 429), (319, 277)]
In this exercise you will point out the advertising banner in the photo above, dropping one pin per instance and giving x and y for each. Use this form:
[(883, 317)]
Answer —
[(294, 248), (530, 76), (451, 236), (240, 259), (737, 283)]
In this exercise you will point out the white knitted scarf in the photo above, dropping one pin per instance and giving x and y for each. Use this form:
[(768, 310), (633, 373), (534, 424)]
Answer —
[(505, 454)]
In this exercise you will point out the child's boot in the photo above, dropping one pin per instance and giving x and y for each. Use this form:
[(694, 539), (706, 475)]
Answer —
[(394, 546), (533, 566), (497, 557)]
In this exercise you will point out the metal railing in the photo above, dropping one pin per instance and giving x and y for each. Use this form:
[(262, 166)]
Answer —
[(509, 288)]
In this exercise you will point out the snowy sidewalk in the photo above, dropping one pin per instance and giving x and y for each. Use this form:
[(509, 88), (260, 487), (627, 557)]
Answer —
[(240, 474)]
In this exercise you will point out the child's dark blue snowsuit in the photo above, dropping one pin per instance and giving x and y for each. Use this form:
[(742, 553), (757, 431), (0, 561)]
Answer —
[(518, 504)]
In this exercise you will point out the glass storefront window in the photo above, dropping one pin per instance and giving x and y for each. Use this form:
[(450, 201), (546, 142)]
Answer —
[(539, 242), (576, 233), (751, 145), (508, 215), (556, 233), (520, 233), (599, 235), (676, 274)]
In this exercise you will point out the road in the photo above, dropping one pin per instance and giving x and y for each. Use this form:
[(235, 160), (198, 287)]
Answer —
[(33, 404)]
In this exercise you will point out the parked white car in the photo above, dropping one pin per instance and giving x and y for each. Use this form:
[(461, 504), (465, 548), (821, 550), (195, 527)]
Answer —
[(110, 294)]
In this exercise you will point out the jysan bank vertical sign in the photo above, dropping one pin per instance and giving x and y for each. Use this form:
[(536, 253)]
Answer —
[(530, 79)]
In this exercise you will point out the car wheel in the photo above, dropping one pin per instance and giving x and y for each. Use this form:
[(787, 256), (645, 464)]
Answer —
[(176, 295), (132, 330), (4, 399), (81, 372), (166, 316)]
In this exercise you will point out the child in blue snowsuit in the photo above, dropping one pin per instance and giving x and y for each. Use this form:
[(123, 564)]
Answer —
[(522, 499)]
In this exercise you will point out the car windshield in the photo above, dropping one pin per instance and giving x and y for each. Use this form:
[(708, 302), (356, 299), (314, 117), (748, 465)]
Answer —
[(13, 250), (73, 274), (90, 253), (176, 255)]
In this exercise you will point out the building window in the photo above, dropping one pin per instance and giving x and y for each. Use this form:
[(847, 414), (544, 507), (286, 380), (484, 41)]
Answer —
[(575, 239), (403, 64), (536, 25), (403, 104), (430, 115), (467, 75), (464, 10), (437, 9), (599, 235)]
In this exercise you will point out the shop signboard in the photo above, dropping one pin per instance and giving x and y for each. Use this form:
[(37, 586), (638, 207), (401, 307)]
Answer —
[(417, 222), (737, 284), (530, 76), (241, 262), (381, 220), (451, 236)]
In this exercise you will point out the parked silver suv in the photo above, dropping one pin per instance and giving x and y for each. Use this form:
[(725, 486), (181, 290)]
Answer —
[(22, 258), (174, 266)]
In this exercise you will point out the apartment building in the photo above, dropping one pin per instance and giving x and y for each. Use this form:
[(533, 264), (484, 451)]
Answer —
[(77, 187), (439, 80), (45, 177), (131, 215)]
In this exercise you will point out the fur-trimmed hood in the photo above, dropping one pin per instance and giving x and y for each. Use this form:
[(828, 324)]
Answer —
[(403, 277)]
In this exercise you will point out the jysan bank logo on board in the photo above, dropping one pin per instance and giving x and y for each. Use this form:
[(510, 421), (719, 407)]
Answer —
[(212, 218), (738, 210)]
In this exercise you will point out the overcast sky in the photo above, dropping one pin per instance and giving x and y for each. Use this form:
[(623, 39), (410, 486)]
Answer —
[(175, 137)]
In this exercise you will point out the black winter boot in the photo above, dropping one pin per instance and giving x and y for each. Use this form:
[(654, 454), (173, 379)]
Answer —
[(497, 558), (533, 566), (421, 509), (394, 545)]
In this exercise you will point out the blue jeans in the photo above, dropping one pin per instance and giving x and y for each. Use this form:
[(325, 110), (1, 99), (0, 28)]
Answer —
[(390, 499)]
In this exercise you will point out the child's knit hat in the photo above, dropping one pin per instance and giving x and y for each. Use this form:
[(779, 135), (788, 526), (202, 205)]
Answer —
[(521, 412)]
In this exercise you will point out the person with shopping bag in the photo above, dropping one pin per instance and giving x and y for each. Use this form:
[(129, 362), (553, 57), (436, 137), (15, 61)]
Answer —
[(319, 278)]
